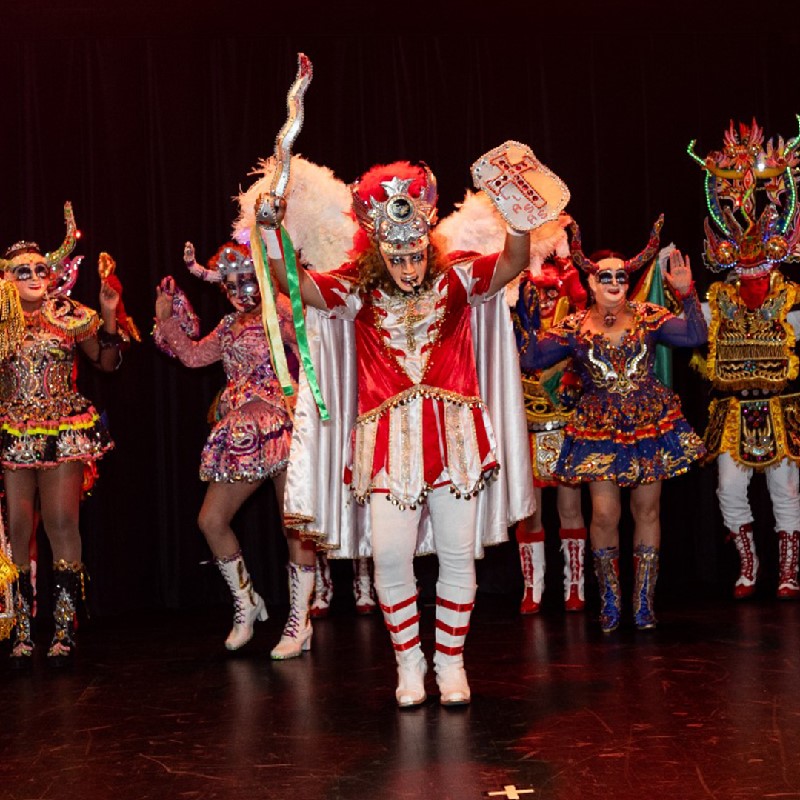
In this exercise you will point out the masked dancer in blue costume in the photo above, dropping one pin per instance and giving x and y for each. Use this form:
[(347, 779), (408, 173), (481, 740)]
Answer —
[(628, 429)]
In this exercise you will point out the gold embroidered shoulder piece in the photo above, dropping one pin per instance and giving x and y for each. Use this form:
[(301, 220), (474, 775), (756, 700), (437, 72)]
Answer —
[(68, 317)]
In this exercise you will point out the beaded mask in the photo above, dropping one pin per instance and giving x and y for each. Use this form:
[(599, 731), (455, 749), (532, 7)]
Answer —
[(751, 195), (230, 259), (63, 271)]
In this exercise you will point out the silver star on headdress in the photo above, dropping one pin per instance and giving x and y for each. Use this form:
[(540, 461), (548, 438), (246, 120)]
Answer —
[(401, 223)]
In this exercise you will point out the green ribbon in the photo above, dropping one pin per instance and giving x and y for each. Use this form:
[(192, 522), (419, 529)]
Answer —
[(293, 279), (269, 313), (270, 316)]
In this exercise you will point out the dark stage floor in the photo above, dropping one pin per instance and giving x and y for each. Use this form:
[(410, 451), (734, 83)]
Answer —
[(707, 706)]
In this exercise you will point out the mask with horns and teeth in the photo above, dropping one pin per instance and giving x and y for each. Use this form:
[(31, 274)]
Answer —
[(631, 265), (751, 195), (63, 270)]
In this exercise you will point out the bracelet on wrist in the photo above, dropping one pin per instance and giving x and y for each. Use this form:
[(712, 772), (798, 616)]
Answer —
[(107, 340)]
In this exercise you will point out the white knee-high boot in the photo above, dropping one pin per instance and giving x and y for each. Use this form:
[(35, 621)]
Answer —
[(247, 605), (296, 636)]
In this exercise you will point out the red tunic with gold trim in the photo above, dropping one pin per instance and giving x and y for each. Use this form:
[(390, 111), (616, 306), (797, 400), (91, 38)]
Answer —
[(421, 421), (44, 420)]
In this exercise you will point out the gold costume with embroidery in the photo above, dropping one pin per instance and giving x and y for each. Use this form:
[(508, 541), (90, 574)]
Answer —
[(751, 356)]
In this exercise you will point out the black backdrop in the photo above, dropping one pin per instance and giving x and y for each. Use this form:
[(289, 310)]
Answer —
[(150, 117)]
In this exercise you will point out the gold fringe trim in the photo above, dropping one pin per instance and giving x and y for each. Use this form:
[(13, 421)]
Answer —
[(7, 625), (763, 347), (12, 319), (426, 392), (8, 572), (69, 323)]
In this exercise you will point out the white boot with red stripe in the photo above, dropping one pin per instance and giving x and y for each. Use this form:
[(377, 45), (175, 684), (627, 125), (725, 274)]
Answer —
[(362, 587), (748, 561), (532, 563), (788, 587), (573, 547), (323, 588), (454, 606), (401, 615)]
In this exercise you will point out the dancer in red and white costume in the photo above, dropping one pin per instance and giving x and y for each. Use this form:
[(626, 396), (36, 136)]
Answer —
[(423, 439)]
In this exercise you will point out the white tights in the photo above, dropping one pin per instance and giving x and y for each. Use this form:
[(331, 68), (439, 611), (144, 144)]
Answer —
[(782, 483), (394, 540)]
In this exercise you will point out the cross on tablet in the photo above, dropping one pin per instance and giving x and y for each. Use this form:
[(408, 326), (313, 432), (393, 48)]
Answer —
[(514, 174)]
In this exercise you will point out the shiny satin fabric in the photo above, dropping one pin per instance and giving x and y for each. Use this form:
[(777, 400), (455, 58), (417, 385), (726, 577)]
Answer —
[(319, 503)]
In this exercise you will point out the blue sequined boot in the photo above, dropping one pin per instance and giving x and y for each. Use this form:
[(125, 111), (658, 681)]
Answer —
[(606, 567), (645, 565)]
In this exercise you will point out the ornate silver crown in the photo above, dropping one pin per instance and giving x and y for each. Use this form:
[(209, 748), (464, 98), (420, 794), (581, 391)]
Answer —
[(401, 223)]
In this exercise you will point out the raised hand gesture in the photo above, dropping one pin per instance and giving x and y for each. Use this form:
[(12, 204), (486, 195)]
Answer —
[(679, 273), (164, 292)]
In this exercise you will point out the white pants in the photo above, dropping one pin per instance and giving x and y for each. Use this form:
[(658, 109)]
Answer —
[(394, 539), (782, 483)]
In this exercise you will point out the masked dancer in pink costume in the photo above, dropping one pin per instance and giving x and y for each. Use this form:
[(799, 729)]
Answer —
[(628, 429), (50, 434), (423, 446), (250, 443)]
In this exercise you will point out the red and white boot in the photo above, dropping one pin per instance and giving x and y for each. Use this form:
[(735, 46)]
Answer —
[(748, 561), (531, 559), (454, 606), (323, 588), (573, 547), (788, 587), (362, 587), (401, 615)]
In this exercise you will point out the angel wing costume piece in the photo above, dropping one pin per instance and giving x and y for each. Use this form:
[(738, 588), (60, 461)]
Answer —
[(318, 501)]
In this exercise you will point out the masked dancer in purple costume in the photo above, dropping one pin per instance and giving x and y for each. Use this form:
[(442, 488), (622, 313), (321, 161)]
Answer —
[(250, 442), (628, 429), (50, 434)]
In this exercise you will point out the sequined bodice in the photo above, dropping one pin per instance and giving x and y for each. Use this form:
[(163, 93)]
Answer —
[(247, 362), (616, 369), (40, 372)]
